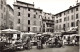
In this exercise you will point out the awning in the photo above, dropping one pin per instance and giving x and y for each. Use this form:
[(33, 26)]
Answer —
[(10, 31), (69, 33)]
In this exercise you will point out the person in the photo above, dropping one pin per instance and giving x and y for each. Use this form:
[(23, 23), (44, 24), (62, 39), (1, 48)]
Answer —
[(64, 40), (56, 40), (68, 40), (73, 41), (28, 43), (39, 43)]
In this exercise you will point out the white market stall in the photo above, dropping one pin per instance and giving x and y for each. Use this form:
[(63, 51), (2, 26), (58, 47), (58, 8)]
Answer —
[(28, 34), (10, 34)]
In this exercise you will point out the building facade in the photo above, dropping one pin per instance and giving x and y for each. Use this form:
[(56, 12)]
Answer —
[(27, 18), (9, 17), (67, 19), (2, 14), (48, 22)]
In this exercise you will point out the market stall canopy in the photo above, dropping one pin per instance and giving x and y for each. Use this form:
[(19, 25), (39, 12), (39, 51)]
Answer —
[(10, 31), (30, 33), (48, 33), (39, 35)]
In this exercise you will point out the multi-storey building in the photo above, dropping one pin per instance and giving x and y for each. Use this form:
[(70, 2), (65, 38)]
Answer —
[(27, 18), (9, 17), (2, 14), (48, 22), (67, 20)]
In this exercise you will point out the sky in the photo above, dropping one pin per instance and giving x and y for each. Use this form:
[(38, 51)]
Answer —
[(49, 6)]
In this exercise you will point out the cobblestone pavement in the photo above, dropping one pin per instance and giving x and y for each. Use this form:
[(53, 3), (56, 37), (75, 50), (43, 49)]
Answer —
[(62, 49)]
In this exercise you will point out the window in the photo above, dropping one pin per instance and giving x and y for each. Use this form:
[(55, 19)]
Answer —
[(60, 27), (72, 24), (71, 10), (60, 20), (34, 29), (28, 15), (40, 11), (64, 27), (34, 16), (77, 9), (65, 19), (56, 21), (56, 27), (40, 29), (34, 23), (2, 15), (47, 30), (68, 24), (60, 14), (45, 17), (28, 22), (68, 18), (28, 9), (77, 23), (68, 12), (36, 13), (1, 4), (64, 13), (43, 25), (72, 17), (18, 7), (28, 29), (76, 16), (18, 21), (18, 13)]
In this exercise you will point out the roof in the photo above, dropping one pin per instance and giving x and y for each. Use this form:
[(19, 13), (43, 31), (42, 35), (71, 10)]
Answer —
[(25, 3), (47, 13), (67, 9), (10, 7), (28, 7)]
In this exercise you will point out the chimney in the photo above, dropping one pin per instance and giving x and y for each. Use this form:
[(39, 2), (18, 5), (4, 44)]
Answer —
[(77, 3), (70, 7)]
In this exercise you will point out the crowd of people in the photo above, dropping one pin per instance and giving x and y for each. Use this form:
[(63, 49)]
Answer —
[(54, 41)]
